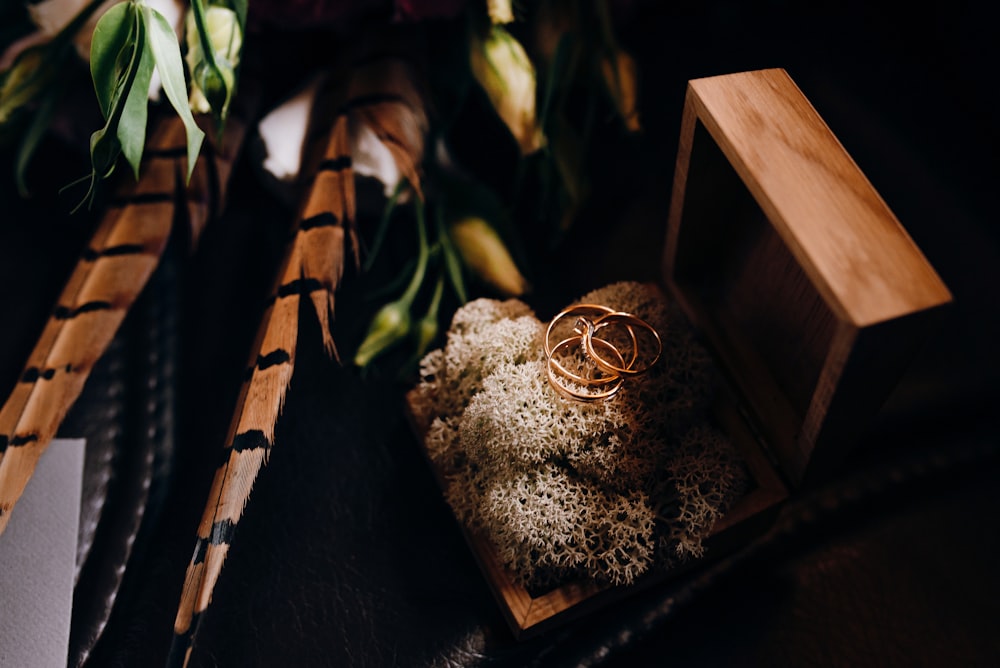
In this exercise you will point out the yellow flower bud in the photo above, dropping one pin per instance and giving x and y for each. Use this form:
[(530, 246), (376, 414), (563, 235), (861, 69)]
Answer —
[(500, 11), (486, 256), (389, 326), (502, 67), (212, 88)]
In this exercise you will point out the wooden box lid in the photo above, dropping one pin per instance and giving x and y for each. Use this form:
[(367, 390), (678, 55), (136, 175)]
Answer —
[(782, 253)]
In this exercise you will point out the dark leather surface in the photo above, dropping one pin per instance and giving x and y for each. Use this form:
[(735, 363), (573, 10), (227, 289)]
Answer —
[(127, 416), (347, 555), (126, 412)]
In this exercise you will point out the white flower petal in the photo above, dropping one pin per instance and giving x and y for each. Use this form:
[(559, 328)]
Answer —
[(371, 157), (283, 132)]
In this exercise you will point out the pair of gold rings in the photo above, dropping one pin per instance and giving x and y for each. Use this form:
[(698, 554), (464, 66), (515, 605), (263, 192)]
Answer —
[(597, 349)]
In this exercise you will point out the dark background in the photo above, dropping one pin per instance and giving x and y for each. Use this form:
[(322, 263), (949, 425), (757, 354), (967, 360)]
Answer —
[(348, 556)]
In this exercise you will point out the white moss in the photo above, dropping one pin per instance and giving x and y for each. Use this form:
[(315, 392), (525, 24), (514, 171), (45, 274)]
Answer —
[(566, 489), (703, 477), (548, 521), (483, 334)]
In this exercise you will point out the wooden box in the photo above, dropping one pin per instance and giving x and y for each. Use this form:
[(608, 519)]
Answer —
[(808, 289), (811, 297)]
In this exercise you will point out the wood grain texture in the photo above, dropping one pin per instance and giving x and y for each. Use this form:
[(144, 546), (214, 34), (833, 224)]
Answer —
[(845, 236), (812, 293)]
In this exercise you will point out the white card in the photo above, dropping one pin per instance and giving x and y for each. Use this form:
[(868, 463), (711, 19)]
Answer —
[(38, 561)]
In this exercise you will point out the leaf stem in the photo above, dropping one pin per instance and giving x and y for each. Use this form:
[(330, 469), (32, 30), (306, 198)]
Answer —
[(435, 305), (383, 224), (208, 51), (452, 261), (422, 256)]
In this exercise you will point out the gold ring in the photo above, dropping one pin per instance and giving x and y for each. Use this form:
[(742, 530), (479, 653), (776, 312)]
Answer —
[(615, 381), (591, 327), (581, 309), (584, 380)]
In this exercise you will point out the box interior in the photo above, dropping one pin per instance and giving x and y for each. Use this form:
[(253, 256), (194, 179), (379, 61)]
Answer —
[(743, 288)]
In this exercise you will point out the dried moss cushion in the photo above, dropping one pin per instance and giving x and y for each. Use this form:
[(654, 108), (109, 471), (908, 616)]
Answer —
[(563, 489)]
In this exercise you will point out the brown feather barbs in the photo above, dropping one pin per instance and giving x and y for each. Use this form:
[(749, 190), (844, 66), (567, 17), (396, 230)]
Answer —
[(120, 257), (378, 97)]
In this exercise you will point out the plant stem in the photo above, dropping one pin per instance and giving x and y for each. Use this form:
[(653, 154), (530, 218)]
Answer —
[(452, 261), (435, 304), (383, 224), (208, 52), (422, 256)]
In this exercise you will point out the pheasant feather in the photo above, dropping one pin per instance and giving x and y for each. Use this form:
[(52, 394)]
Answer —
[(121, 255), (328, 215), (325, 232)]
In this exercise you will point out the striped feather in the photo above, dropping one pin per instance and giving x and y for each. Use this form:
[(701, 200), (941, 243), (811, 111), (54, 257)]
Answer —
[(312, 266), (248, 445), (384, 97), (327, 223), (325, 231), (120, 257), (107, 279)]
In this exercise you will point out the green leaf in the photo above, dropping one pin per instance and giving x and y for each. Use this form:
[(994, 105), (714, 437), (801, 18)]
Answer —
[(104, 150), (111, 50), (132, 125), (167, 54), (120, 54)]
